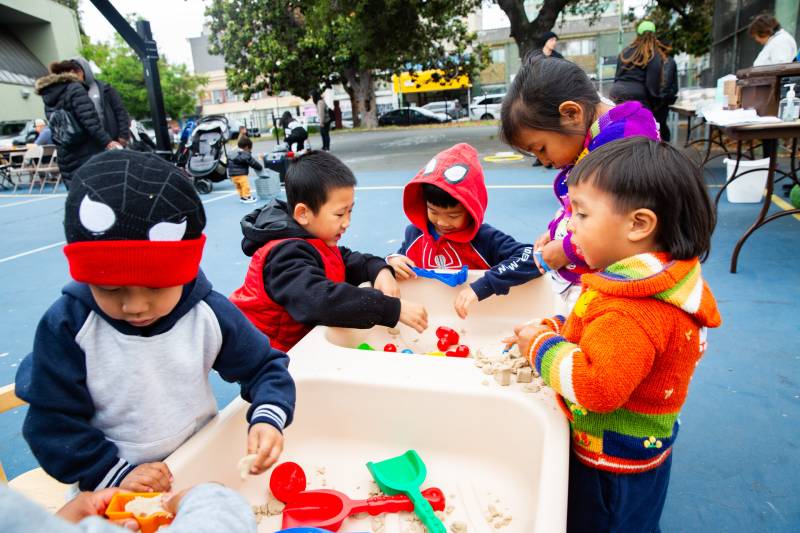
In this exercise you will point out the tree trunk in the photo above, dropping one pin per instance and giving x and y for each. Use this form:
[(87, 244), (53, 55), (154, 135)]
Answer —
[(527, 34), (362, 84), (354, 111)]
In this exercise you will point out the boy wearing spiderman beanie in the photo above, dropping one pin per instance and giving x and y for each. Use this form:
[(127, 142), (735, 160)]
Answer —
[(118, 376)]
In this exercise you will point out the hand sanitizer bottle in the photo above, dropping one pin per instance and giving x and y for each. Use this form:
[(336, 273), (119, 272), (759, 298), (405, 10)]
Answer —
[(790, 106)]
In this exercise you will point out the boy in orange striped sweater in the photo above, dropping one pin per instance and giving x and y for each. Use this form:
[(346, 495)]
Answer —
[(621, 363)]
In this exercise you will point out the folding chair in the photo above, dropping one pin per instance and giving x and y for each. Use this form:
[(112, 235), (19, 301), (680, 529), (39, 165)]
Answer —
[(35, 484), (30, 163), (47, 171)]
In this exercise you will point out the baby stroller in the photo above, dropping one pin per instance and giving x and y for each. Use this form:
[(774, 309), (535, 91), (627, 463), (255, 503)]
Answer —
[(208, 159)]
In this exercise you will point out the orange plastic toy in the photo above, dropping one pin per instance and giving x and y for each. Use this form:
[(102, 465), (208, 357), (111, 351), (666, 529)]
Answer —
[(147, 524)]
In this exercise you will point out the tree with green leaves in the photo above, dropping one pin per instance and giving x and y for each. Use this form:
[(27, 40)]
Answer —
[(686, 23), (121, 67), (301, 45)]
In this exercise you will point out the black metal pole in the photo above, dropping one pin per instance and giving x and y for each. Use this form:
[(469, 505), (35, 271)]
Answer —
[(152, 81), (145, 47)]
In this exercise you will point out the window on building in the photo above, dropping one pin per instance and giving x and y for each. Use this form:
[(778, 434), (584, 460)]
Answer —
[(206, 99), (498, 55), (218, 96), (231, 96), (578, 47)]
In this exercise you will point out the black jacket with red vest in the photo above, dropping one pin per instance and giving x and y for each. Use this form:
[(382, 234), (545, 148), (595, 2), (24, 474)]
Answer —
[(479, 246), (296, 282)]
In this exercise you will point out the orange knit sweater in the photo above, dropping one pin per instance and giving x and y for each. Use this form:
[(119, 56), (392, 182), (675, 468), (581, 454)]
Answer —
[(622, 362)]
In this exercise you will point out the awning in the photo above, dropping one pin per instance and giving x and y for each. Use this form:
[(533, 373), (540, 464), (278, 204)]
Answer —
[(428, 81)]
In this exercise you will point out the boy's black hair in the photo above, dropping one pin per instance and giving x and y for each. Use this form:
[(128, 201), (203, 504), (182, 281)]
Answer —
[(438, 196), (311, 175), (641, 173), (244, 142), (541, 85)]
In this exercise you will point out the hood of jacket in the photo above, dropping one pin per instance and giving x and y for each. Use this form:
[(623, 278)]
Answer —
[(51, 86), (193, 292), (656, 275), (458, 172), (269, 223)]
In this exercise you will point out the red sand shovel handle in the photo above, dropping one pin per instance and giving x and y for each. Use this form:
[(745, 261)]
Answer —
[(396, 504)]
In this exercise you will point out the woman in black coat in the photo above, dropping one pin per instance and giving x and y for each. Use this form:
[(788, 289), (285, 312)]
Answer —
[(64, 89)]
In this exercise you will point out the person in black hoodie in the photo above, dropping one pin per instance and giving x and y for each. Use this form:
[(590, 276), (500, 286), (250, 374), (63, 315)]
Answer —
[(640, 69), (65, 89), (239, 167), (108, 104), (299, 278)]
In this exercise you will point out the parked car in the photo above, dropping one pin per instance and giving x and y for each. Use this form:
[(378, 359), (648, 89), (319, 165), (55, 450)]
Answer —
[(449, 107), (16, 132), (486, 107), (253, 132), (407, 116)]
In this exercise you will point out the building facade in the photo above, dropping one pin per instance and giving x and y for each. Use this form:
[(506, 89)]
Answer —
[(33, 33)]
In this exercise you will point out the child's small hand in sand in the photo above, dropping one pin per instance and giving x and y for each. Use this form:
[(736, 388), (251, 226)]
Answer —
[(413, 315), (464, 300), (386, 283), (148, 477), (402, 267), (527, 335), (266, 442)]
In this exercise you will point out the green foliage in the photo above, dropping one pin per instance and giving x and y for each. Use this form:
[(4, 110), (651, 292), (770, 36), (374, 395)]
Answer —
[(686, 24), (300, 45), (121, 67)]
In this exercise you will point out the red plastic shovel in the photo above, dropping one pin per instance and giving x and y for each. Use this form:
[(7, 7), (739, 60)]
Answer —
[(327, 509)]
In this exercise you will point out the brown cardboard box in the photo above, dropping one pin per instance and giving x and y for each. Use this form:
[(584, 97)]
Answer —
[(732, 94)]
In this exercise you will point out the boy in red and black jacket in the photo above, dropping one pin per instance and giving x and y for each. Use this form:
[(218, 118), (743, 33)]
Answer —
[(446, 202), (299, 278)]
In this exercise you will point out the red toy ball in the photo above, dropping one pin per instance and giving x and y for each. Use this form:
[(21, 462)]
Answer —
[(447, 338), (460, 351), (390, 348)]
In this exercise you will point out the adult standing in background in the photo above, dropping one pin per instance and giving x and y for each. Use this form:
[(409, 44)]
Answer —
[(107, 103), (64, 89), (549, 42), (324, 115), (778, 45), (640, 69), (669, 95)]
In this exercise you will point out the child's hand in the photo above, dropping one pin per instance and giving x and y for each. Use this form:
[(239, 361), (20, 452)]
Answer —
[(92, 504), (266, 442), (543, 239), (402, 267), (553, 254), (527, 335), (465, 298), (148, 477), (413, 315), (386, 283)]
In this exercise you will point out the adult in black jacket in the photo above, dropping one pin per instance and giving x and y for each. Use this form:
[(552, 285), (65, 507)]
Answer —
[(108, 104), (640, 69), (64, 89), (669, 95)]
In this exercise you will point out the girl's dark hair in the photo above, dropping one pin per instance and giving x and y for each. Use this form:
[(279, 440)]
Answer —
[(60, 67), (642, 50), (244, 142), (438, 196), (541, 85), (311, 175), (286, 119), (764, 26), (641, 173)]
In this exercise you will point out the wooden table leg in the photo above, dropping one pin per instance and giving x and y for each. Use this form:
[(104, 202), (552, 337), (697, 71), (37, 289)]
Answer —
[(771, 151)]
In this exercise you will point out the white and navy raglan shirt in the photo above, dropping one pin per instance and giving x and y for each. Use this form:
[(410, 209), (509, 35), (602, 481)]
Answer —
[(106, 396)]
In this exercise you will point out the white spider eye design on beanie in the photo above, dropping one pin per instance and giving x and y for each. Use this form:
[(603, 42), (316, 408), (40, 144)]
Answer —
[(430, 167), (456, 173), (97, 217)]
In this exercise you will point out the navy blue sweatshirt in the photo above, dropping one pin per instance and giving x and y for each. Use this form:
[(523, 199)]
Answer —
[(106, 396)]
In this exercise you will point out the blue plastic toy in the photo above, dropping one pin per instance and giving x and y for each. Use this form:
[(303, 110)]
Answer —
[(452, 279), (538, 255), (406, 350)]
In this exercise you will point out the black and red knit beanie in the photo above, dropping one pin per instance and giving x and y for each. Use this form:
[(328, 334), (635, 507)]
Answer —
[(133, 219)]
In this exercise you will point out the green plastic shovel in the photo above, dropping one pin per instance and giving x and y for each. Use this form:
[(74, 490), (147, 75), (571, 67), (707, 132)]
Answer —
[(405, 474)]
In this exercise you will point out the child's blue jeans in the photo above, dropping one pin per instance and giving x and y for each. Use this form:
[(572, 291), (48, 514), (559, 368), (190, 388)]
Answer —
[(601, 501)]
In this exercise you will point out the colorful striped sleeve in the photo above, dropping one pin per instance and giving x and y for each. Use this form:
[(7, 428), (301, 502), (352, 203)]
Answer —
[(599, 373)]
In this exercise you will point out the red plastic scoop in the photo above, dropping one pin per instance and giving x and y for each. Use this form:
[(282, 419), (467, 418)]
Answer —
[(287, 480), (327, 509)]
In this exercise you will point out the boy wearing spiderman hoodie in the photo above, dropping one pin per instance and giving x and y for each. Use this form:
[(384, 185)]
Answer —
[(446, 202)]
